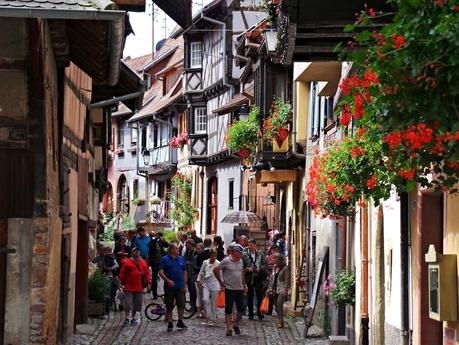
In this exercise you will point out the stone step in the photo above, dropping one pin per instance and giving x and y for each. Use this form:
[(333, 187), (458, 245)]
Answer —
[(339, 340)]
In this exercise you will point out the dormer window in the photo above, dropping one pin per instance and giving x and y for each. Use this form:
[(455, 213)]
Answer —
[(196, 54)]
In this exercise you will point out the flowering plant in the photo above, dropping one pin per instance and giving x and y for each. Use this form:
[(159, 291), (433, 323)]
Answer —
[(183, 211), (340, 288), (242, 136), (346, 171), (405, 93), (276, 125), (179, 141)]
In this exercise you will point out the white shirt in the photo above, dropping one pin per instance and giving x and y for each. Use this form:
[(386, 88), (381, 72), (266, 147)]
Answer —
[(206, 275)]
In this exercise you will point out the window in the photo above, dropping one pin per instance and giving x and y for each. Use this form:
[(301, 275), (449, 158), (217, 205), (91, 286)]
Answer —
[(195, 54), (133, 135), (120, 134), (200, 120), (314, 112), (231, 194)]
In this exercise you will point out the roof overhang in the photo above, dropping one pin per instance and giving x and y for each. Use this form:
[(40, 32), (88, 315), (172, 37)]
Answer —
[(178, 10), (129, 82), (327, 73)]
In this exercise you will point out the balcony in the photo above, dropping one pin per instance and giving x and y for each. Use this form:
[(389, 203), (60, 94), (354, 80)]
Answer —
[(162, 163)]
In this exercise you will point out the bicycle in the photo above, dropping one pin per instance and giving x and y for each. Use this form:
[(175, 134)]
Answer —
[(155, 310)]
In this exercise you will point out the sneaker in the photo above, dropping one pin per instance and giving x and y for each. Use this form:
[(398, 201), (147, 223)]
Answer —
[(236, 330), (170, 327), (126, 322), (204, 323), (180, 324), (250, 317), (229, 333), (135, 322), (210, 323), (261, 316)]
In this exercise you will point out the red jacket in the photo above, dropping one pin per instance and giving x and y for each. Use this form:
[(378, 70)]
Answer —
[(130, 276)]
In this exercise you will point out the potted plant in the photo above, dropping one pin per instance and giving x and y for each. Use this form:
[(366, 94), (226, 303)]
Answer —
[(242, 136), (179, 141), (97, 288), (276, 126)]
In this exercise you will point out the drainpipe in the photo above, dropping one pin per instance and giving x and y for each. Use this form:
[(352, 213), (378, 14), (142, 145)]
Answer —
[(201, 175), (380, 312), (404, 248), (225, 58), (364, 317), (137, 166), (294, 131)]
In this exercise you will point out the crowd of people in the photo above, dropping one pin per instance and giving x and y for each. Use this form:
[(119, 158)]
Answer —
[(243, 273)]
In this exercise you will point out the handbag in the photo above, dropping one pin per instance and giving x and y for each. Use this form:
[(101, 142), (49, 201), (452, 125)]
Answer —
[(220, 301), (264, 308)]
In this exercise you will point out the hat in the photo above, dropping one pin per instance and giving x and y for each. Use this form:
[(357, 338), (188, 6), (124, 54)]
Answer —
[(135, 248), (238, 248)]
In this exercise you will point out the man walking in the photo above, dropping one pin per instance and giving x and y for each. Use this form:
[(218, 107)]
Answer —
[(134, 276), (191, 278), (234, 285), (255, 266), (172, 270)]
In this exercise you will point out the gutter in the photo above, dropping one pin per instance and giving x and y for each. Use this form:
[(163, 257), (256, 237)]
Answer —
[(61, 14), (116, 50), (115, 100)]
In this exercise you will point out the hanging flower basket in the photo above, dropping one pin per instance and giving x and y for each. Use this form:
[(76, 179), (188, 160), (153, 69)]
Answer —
[(242, 137)]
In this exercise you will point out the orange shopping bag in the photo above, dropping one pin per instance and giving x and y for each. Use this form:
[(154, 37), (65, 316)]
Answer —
[(220, 301), (264, 308)]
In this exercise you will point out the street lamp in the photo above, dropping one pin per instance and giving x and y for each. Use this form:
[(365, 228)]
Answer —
[(146, 157)]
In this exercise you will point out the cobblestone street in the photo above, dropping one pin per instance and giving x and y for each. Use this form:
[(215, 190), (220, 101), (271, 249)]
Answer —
[(110, 331)]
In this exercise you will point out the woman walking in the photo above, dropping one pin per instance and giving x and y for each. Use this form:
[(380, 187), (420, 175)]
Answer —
[(279, 287), (210, 287)]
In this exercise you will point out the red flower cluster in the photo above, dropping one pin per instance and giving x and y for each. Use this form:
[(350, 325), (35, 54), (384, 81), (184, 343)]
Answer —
[(359, 88), (179, 141)]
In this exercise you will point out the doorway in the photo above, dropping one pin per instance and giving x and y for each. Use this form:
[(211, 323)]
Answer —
[(212, 210)]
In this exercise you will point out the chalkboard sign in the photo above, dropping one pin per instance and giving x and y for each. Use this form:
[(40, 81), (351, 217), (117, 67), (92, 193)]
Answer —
[(310, 308)]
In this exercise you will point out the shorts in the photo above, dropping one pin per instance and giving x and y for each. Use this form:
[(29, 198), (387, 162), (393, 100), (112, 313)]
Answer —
[(133, 301), (231, 297), (177, 295)]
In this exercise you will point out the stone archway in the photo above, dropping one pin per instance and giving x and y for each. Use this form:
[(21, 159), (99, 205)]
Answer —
[(107, 200), (122, 195)]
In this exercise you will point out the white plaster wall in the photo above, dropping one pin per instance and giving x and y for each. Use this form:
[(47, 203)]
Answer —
[(392, 233), (358, 275)]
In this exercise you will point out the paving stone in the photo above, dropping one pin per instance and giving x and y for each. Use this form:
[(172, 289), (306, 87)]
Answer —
[(110, 331)]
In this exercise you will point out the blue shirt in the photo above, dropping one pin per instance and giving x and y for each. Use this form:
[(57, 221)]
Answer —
[(173, 269), (142, 243)]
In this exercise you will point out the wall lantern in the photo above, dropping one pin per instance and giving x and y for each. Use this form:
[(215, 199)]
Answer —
[(442, 277), (244, 112), (146, 157), (271, 41)]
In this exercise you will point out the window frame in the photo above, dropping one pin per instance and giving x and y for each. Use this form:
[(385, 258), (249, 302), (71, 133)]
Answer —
[(194, 51), (231, 194), (200, 127), (120, 134)]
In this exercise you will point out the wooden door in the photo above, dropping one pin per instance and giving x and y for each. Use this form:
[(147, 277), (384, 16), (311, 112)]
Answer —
[(213, 202), (81, 288), (3, 253)]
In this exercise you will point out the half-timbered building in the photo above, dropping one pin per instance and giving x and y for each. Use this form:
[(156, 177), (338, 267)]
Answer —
[(212, 92)]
